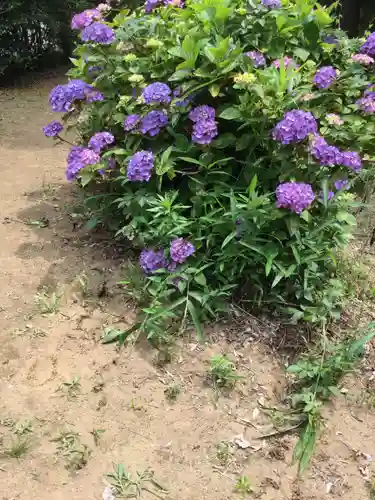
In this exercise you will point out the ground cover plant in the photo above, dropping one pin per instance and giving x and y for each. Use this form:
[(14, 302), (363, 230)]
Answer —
[(228, 140)]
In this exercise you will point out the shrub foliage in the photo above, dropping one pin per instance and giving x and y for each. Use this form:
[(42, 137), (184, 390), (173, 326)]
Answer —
[(237, 135)]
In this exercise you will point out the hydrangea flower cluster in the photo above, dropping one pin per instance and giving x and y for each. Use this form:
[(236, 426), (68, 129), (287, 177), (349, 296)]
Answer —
[(62, 96), (157, 93), (205, 127), (53, 129), (272, 4), (98, 33), (334, 119), (325, 154), (153, 122), (100, 140), (294, 196), (180, 250), (287, 62), (342, 184), (257, 58), (131, 122), (363, 59), (151, 260), (79, 158), (175, 3), (367, 104), (331, 155), (140, 166), (324, 77), (369, 46), (295, 127), (150, 5), (85, 18)]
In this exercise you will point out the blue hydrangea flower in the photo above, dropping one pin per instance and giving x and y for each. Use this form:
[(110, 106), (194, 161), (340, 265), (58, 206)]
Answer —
[(342, 184), (272, 4), (93, 95), (79, 158), (98, 33), (140, 166), (204, 131), (295, 127), (352, 160), (325, 154), (100, 140), (153, 122), (287, 62), (367, 104), (85, 18), (257, 58), (324, 77), (369, 46), (60, 99), (157, 93), (151, 260), (180, 250), (131, 122), (202, 113), (294, 196), (151, 5), (53, 129), (62, 96)]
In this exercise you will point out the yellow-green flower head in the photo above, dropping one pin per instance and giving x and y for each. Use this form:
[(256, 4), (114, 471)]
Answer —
[(153, 43), (130, 57), (244, 78), (136, 78)]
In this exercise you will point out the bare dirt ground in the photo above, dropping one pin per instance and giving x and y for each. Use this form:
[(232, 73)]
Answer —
[(115, 400)]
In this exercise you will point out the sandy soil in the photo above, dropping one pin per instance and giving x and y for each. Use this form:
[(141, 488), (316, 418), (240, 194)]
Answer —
[(121, 394)]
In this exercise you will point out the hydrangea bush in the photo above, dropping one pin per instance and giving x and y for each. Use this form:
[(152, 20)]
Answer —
[(229, 139)]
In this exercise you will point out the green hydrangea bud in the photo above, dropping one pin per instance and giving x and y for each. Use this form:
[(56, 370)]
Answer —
[(153, 43), (244, 78), (130, 57), (136, 78)]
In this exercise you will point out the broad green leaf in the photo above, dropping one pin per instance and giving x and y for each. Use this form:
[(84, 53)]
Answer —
[(231, 113)]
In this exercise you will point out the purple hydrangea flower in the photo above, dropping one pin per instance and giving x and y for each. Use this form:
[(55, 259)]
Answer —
[(140, 166), (157, 93), (369, 46), (295, 127), (324, 77), (204, 131), (325, 154), (180, 250), (62, 96), (111, 165), (98, 33), (184, 102), (77, 89), (257, 58), (295, 196), (202, 113), (100, 140), (367, 104), (53, 129), (342, 184), (131, 122), (272, 4), (330, 195), (363, 59), (153, 122), (85, 18), (78, 158), (352, 160), (150, 5), (93, 95), (287, 62), (151, 260), (175, 3)]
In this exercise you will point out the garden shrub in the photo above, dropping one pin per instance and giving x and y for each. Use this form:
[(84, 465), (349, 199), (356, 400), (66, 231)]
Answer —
[(228, 140)]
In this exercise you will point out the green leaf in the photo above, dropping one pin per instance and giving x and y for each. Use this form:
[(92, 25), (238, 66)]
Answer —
[(214, 89), (197, 323), (86, 178), (91, 223), (294, 369), (200, 279), (301, 54), (335, 391), (228, 239), (253, 184), (278, 278), (113, 334), (190, 160), (231, 113), (346, 217)]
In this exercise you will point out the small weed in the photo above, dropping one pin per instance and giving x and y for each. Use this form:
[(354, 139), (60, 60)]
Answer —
[(71, 389), (48, 304), (224, 452), (371, 488), (41, 223), (21, 428), (317, 378), (134, 287), (134, 406), (115, 335), (125, 486), (71, 448), (172, 392), (243, 486), (83, 283), (96, 434), (222, 371), (18, 448)]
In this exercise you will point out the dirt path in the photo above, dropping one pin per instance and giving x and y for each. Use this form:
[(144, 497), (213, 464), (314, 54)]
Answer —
[(116, 401)]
